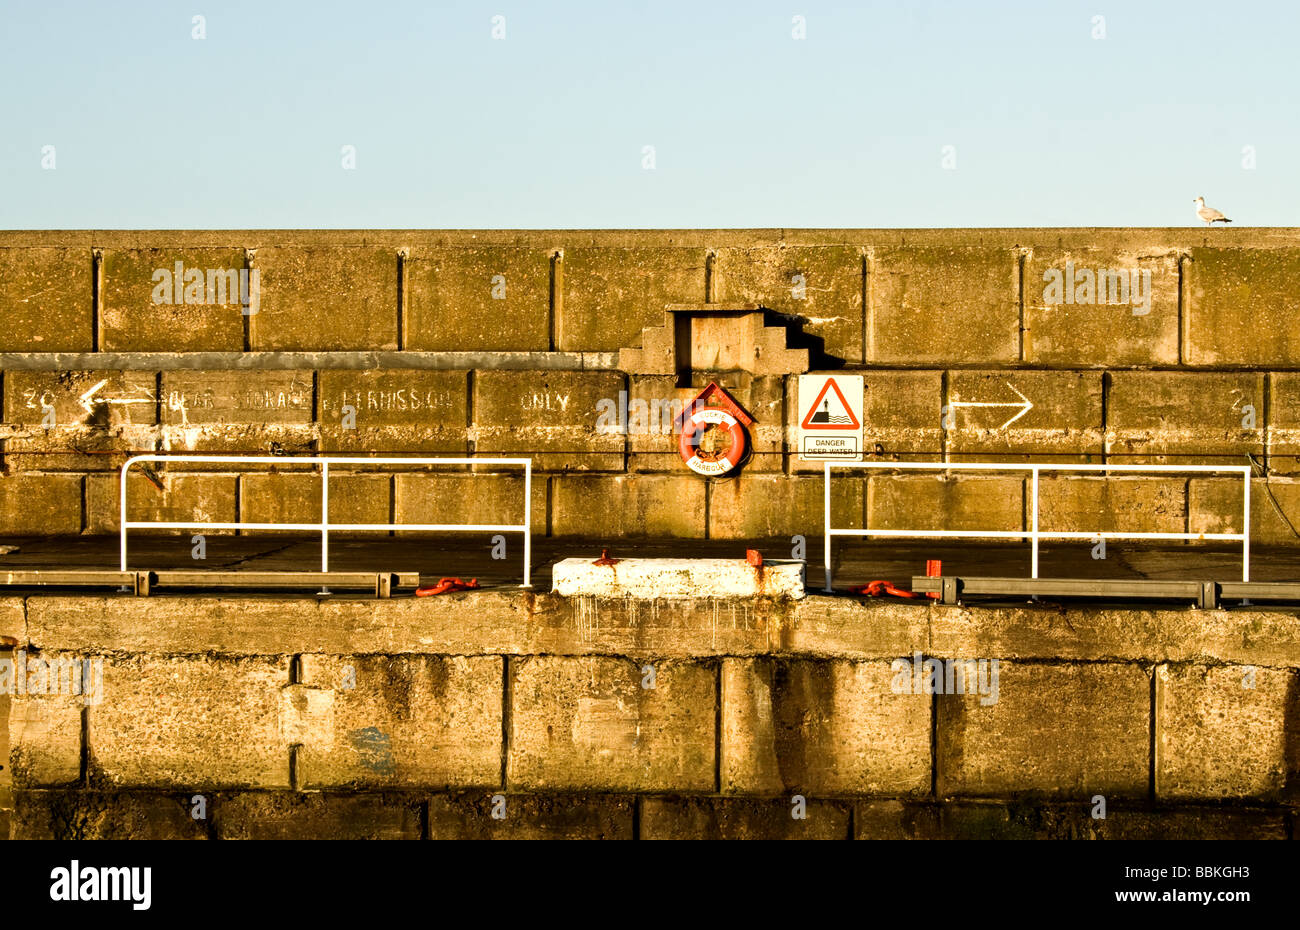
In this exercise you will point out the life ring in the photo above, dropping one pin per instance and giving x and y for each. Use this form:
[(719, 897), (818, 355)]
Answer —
[(710, 463)]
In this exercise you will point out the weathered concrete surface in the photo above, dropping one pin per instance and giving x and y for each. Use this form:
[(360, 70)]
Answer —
[(144, 311), (380, 721), (591, 724), (1226, 732), (821, 728), (741, 819), (189, 723), (284, 815), (677, 578), (531, 817), (1091, 737), (46, 299), (492, 298)]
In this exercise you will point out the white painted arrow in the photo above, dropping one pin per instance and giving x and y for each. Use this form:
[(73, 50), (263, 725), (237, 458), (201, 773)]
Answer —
[(88, 399), (1025, 405)]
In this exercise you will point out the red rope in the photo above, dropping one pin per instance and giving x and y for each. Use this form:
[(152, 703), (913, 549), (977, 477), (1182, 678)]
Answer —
[(447, 585)]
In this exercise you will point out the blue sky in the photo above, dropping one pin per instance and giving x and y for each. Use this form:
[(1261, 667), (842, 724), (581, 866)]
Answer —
[(547, 127)]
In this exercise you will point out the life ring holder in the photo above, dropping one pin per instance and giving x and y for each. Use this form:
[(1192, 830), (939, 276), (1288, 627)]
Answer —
[(704, 463)]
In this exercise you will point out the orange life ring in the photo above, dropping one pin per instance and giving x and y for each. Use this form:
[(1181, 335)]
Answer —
[(710, 463)]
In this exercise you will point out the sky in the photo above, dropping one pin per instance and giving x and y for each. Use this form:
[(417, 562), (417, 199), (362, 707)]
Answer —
[(612, 114)]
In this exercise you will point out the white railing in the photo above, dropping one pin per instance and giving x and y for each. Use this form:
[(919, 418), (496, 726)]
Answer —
[(1033, 534), (324, 526)]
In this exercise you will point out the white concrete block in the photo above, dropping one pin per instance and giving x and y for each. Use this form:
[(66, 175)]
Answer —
[(651, 578)]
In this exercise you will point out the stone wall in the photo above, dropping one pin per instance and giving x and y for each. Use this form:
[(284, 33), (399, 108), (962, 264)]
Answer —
[(505, 343), (279, 717)]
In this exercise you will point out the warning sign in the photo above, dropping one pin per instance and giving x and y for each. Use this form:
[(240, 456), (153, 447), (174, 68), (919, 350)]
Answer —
[(830, 417)]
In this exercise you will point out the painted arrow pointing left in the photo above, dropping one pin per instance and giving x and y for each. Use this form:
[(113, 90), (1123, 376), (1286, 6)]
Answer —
[(88, 399)]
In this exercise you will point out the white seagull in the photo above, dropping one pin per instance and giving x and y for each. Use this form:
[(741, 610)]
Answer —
[(1209, 214)]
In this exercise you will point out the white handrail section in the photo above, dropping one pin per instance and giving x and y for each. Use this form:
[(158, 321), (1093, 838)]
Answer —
[(324, 526), (1034, 534)]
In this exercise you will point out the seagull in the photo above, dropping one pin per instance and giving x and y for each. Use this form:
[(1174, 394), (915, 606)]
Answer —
[(1209, 214)]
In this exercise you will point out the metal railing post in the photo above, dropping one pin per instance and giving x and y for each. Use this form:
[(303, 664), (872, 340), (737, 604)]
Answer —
[(122, 511), (1245, 524), (325, 516), (826, 522), (528, 524), (1033, 530)]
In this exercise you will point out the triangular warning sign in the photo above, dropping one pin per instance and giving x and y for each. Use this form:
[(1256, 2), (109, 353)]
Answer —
[(823, 414)]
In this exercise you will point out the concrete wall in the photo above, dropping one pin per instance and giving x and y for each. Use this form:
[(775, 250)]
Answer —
[(293, 717), (504, 343)]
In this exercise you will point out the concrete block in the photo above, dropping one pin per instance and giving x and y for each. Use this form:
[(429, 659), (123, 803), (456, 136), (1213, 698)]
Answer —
[(13, 620), (281, 815), (100, 399), (190, 723), (173, 300), (103, 815), (617, 506), (296, 498), (40, 505), (47, 300), (669, 628), (394, 411), (1185, 418), (1072, 503), (1124, 820), (67, 420), (654, 402), (530, 817), (896, 820), (1226, 732), (839, 627), (183, 497), (1284, 422), (925, 502), (44, 719), (768, 506), (392, 721), (589, 724), (820, 286), (748, 763), (471, 623), (488, 299), (901, 414), (742, 819), (1215, 506), (822, 728), (550, 416), (940, 306), (477, 498), (1064, 423), (325, 299), (674, 578), (1241, 307), (611, 294), (237, 411), (1067, 730), (1101, 308)]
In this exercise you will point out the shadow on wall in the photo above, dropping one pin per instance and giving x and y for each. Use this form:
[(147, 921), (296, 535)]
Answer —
[(797, 338)]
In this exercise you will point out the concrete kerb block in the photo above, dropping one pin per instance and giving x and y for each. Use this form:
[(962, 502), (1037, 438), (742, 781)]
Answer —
[(677, 578)]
